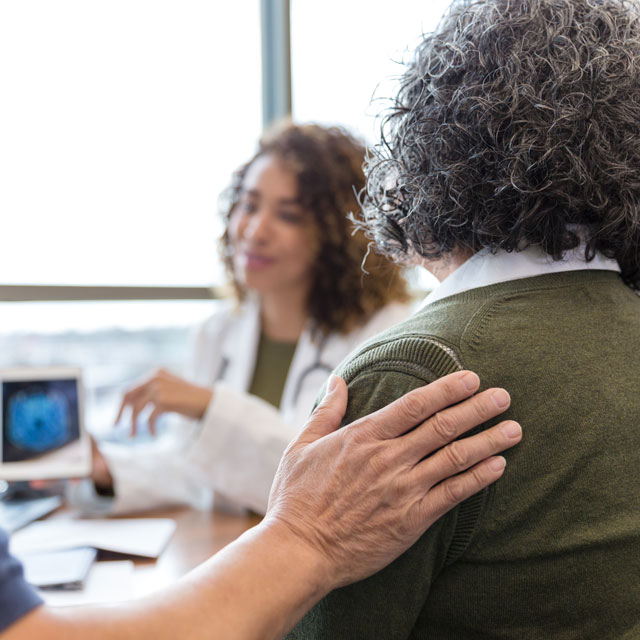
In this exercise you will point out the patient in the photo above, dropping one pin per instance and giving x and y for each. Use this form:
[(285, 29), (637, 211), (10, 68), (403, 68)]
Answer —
[(512, 166)]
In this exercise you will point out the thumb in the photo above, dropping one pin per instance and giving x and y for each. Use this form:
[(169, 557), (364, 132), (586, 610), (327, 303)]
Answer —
[(328, 415)]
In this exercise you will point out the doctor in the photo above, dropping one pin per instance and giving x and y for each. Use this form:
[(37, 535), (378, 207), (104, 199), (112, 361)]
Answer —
[(303, 303)]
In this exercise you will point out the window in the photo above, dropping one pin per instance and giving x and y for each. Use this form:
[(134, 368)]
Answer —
[(346, 53), (120, 123)]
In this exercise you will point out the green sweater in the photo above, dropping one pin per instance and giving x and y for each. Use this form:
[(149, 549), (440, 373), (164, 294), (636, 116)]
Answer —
[(273, 360), (553, 549)]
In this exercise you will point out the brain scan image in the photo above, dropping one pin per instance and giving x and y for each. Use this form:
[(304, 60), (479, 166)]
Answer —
[(38, 418), (38, 422)]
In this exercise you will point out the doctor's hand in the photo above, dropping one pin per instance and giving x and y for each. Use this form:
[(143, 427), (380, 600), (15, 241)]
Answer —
[(165, 392), (360, 496)]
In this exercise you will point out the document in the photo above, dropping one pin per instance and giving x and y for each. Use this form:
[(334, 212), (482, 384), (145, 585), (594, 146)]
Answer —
[(107, 582), (133, 537), (65, 569)]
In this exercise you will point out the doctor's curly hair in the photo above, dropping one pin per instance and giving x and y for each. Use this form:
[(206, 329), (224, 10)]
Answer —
[(350, 282), (517, 123)]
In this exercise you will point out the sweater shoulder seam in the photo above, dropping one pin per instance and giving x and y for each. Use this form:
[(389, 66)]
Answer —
[(438, 358), (395, 353)]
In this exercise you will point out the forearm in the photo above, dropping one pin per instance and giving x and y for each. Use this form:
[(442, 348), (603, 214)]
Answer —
[(256, 588)]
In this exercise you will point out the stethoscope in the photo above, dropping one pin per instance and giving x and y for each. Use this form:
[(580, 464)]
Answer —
[(316, 365)]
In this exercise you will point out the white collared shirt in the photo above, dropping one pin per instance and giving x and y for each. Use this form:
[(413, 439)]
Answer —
[(485, 268)]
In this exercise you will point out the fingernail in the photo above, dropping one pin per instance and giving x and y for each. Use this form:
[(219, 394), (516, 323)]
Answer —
[(470, 381), (497, 464), (333, 381), (501, 398), (512, 430)]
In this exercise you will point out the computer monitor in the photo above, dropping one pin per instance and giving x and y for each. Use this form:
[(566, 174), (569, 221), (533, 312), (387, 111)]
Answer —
[(42, 424)]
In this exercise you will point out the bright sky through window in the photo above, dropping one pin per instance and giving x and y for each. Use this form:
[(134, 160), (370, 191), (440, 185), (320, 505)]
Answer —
[(120, 123), (346, 53)]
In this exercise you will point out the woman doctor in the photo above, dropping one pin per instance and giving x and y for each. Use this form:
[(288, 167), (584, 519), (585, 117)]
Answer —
[(303, 303)]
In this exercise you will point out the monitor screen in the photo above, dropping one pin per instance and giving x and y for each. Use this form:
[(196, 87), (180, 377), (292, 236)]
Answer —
[(42, 426)]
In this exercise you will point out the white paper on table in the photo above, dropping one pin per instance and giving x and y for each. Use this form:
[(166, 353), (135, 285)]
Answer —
[(106, 582), (140, 537), (60, 569)]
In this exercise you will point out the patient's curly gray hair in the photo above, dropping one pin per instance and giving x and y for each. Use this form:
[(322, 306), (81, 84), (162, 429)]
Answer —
[(517, 123)]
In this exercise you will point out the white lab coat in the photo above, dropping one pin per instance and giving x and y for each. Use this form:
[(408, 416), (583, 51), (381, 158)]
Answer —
[(235, 449)]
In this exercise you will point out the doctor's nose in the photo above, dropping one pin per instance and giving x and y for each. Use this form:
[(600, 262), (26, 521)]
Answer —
[(258, 226)]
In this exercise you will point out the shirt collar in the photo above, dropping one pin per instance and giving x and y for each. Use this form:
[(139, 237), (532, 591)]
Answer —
[(485, 268)]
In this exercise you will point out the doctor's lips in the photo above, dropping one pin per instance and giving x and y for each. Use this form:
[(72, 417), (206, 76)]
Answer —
[(256, 261)]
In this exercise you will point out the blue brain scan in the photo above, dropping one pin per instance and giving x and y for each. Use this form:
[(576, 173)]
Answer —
[(37, 422)]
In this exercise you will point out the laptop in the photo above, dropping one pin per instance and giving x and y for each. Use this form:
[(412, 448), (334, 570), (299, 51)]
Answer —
[(17, 513)]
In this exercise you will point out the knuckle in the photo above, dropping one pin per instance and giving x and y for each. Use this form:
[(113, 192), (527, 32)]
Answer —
[(481, 407), (458, 455), (443, 426), (378, 460), (326, 412), (407, 493), (451, 390), (323, 407), (454, 490), (413, 408), (367, 427), (474, 479), (356, 436), (478, 477), (351, 436), (398, 491), (491, 439)]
